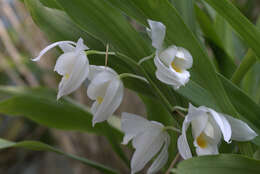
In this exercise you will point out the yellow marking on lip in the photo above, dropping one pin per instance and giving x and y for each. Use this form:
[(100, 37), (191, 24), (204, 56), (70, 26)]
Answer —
[(99, 100), (201, 141), (67, 76), (177, 69)]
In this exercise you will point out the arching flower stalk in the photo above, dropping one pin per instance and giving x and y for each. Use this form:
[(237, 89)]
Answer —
[(172, 63), (208, 127), (106, 89), (149, 138), (72, 65)]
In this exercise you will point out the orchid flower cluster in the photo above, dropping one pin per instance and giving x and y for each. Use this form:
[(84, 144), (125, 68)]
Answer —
[(149, 138)]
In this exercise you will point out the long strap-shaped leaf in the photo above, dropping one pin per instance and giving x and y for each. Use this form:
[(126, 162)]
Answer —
[(249, 33), (224, 164), (39, 146)]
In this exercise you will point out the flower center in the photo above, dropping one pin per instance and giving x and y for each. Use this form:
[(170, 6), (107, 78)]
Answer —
[(201, 141), (99, 99), (67, 76), (177, 69)]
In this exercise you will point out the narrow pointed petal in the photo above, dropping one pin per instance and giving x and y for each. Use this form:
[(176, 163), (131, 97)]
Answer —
[(131, 125), (78, 75), (162, 158), (66, 47), (50, 47), (183, 147), (112, 100), (240, 130), (81, 46), (157, 33), (148, 146), (223, 124)]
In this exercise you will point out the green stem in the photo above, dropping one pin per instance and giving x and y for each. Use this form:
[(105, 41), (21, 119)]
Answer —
[(90, 52), (145, 59), (173, 129), (140, 68), (180, 108), (124, 75), (247, 62)]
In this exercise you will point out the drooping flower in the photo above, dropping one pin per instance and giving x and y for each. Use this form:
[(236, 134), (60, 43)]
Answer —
[(149, 138), (172, 63), (73, 65), (106, 89), (208, 127)]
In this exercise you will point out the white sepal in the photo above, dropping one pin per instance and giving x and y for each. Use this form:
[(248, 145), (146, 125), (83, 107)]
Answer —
[(240, 130), (148, 138), (157, 33), (73, 65), (107, 90)]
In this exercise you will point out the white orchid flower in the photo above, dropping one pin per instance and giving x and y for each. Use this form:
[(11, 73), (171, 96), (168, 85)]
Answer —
[(149, 137), (208, 127), (106, 89), (172, 63), (73, 65)]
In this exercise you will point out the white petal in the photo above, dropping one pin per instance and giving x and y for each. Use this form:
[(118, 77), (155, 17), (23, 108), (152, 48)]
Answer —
[(210, 150), (199, 124), (183, 59), (223, 124), (111, 101), (81, 46), (240, 130), (157, 33), (50, 47), (147, 146), (65, 63), (94, 70), (162, 158), (131, 125), (168, 55), (170, 76), (65, 47), (78, 75), (99, 85), (183, 146)]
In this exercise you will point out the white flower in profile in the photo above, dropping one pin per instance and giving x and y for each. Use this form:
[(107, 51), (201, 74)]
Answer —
[(106, 89), (172, 63), (73, 65), (149, 138), (208, 127)]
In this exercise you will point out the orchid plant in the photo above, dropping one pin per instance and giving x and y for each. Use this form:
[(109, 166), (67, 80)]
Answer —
[(171, 70)]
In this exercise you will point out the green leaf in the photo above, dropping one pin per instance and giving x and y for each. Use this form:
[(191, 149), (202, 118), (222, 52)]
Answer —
[(248, 31), (39, 146), (224, 164), (41, 106), (51, 4), (186, 9), (129, 9), (226, 65), (105, 22), (57, 25)]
